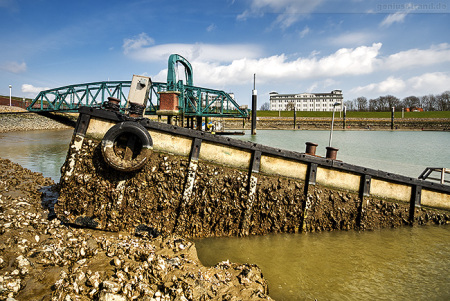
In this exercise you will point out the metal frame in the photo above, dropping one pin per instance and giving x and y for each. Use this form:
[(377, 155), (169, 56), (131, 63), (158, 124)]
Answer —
[(71, 98)]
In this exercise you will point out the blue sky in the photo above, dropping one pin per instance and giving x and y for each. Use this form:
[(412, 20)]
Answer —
[(366, 48)]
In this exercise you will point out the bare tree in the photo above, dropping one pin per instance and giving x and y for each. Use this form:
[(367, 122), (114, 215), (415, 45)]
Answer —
[(373, 105), (361, 103), (443, 101), (429, 102), (411, 102), (350, 105), (265, 107)]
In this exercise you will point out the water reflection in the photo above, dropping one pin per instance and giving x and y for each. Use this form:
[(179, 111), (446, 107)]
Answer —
[(40, 151)]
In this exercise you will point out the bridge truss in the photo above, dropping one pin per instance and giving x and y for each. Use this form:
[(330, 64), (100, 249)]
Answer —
[(193, 101)]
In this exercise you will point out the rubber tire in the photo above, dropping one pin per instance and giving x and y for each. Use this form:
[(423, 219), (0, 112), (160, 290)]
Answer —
[(113, 133)]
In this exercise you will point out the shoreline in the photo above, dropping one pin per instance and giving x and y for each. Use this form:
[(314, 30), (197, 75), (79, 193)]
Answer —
[(19, 119), (44, 259), (32, 121)]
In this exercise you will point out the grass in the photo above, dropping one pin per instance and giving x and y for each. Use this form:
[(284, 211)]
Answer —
[(432, 114)]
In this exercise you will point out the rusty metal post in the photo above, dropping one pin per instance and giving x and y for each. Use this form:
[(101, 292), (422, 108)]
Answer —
[(311, 148), (331, 152)]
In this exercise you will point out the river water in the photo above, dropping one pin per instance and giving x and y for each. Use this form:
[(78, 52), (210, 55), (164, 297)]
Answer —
[(410, 263)]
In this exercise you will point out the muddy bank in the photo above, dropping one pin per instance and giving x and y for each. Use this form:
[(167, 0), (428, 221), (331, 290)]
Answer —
[(93, 194), (43, 259), (19, 119), (309, 123)]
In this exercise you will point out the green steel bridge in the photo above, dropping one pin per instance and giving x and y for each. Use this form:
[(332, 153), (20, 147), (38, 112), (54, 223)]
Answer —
[(193, 101)]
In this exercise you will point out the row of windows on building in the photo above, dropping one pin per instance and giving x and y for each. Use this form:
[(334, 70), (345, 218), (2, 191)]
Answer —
[(305, 101)]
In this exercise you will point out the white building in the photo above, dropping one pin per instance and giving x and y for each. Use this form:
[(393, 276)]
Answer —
[(217, 104), (306, 101)]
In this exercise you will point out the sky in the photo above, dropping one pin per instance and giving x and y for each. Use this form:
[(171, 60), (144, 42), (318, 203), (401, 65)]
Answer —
[(363, 47)]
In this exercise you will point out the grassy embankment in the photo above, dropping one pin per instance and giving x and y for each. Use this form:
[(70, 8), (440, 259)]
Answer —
[(352, 114)]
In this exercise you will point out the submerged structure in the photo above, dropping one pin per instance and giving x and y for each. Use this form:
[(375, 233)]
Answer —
[(123, 171)]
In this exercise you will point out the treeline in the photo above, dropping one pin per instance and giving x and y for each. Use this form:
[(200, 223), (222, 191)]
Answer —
[(439, 102)]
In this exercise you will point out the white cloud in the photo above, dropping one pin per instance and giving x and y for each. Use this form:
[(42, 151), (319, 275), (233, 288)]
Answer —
[(137, 49), (14, 67), (418, 57), (345, 61), (26, 88), (304, 32), (426, 83), (224, 66), (390, 85), (211, 27), (435, 82), (353, 38), (136, 43), (398, 17), (288, 11)]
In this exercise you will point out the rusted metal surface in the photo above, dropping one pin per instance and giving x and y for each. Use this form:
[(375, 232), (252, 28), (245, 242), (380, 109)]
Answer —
[(331, 153), (311, 148)]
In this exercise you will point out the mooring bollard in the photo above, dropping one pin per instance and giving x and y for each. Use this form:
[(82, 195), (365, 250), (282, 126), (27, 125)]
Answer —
[(311, 148), (331, 152), (113, 104)]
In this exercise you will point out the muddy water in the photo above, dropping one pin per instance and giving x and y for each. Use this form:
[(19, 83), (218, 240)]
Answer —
[(390, 264), (398, 264), (41, 151)]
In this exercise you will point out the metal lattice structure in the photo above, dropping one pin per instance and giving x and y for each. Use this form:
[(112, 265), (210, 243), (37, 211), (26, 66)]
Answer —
[(193, 101), (70, 98)]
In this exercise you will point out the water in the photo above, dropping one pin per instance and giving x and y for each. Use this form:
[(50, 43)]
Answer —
[(389, 264), (403, 152), (40, 151)]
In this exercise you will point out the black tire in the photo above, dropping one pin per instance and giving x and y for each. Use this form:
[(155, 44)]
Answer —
[(128, 129)]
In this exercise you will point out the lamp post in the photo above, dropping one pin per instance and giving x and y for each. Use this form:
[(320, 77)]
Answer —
[(332, 122), (10, 95)]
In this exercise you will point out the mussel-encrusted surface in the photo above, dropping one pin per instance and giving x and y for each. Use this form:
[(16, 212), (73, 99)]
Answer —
[(44, 259), (95, 195)]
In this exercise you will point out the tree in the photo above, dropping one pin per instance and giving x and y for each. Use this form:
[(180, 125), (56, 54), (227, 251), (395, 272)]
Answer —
[(349, 105), (385, 103), (265, 107), (429, 102), (361, 103), (373, 105), (443, 101), (411, 102)]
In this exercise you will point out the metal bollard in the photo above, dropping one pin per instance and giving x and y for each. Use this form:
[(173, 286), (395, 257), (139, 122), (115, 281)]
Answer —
[(113, 104), (311, 148), (331, 152)]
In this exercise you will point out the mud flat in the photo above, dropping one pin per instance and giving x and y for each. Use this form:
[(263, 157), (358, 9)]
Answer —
[(43, 259)]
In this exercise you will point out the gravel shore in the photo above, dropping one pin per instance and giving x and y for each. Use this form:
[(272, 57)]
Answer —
[(18, 119), (43, 259)]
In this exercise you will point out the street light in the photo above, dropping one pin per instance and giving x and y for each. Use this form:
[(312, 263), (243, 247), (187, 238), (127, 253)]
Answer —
[(332, 122), (10, 95)]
